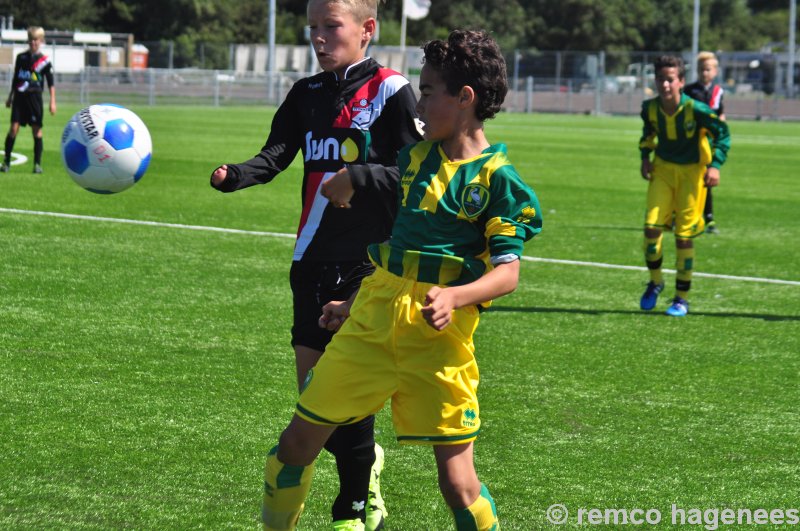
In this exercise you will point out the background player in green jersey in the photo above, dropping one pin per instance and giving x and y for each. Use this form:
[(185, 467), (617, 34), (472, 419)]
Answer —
[(464, 215), (681, 132)]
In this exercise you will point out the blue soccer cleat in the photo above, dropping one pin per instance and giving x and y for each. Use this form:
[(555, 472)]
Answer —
[(650, 295), (678, 308)]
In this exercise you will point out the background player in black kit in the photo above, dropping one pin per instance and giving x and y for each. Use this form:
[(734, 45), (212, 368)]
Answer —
[(31, 69), (349, 121)]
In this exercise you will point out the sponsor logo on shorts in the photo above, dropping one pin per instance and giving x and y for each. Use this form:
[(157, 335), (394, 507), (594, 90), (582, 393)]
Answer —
[(469, 417)]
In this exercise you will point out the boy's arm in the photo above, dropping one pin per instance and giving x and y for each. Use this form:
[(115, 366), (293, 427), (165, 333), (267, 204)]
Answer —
[(277, 154), (647, 142), (394, 129), (52, 100), (440, 302), (512, 218), (13, 82), (51, 86), (720, 134)]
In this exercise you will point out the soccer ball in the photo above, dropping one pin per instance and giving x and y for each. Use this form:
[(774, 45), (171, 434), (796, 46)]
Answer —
[(106, 148)]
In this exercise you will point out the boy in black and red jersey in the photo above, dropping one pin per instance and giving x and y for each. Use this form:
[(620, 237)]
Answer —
[(349, 121), (31, 69)]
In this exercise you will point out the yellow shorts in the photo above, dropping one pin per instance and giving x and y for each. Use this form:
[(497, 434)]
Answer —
[(676, 194), (385, 349)]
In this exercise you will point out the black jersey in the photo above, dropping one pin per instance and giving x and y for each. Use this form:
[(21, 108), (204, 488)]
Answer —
[(360, 121), (30, 73), (711, 95)]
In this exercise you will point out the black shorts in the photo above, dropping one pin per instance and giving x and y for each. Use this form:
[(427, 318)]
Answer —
[(315, 284), (26, 108)]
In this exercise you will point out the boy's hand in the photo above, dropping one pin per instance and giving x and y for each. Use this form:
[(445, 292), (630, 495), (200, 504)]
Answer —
[(647, 169), (53, 108), (219, 175), (8, 102), (338, 189), (438, 309), (711, 177), (334, 314)]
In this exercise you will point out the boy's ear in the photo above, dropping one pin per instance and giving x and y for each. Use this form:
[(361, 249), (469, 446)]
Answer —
[(369, 29), (466, 96)]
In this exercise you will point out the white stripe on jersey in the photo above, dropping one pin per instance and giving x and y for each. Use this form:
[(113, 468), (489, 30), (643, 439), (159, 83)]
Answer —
[(388, 88), (312, 221), (716, 96)]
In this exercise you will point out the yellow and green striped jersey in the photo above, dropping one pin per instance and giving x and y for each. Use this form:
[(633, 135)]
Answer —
[(693, 135), (456, 219)]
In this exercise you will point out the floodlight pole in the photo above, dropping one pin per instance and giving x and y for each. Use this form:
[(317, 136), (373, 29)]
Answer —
[(792, 46), (271, 58), (695, 39)]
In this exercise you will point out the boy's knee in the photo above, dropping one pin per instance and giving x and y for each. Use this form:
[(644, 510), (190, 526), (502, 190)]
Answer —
[(459, 492), (301, 442)]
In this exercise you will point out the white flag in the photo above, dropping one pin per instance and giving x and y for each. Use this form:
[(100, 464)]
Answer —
[(416, 9)]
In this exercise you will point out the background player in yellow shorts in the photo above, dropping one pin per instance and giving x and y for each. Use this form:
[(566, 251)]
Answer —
[(678, 129), (463, 217)]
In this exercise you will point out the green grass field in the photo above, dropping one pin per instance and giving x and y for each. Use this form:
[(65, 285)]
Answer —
[(145, 370)]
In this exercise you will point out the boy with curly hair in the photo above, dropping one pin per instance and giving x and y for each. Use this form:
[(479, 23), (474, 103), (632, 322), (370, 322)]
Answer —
[(690, 143), (464, 215)]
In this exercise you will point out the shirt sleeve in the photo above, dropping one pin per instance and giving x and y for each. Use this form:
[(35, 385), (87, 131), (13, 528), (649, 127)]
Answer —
[(394, 129), (513, 216), (280, 149), (719, 133), (647, 142)]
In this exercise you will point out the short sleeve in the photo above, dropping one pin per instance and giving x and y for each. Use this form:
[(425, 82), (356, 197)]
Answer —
[(513, 216)]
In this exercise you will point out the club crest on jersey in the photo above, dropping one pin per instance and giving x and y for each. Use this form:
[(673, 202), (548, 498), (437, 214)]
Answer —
[(690, 125), (474, 199), (330, 149)]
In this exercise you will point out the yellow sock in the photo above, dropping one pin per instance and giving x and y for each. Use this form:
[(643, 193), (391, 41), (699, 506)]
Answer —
[(285, 491), (683, 266), (480, 516), (653, 256)]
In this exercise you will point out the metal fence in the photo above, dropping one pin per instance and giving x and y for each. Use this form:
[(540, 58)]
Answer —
[(540, 82)]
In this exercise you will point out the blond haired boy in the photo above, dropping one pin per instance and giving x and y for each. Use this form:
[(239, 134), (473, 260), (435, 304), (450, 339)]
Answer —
[(349, 122), (31, 69), (710, 93)]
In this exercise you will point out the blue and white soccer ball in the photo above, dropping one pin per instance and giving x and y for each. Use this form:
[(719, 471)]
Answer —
[(106, 148)]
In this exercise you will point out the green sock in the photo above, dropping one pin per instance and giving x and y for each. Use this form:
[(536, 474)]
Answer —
[(285, 491), (653, 256), (683, 266), (480, 516)]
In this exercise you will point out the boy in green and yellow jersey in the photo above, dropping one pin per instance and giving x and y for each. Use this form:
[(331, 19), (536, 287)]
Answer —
[(690, 143), (463, 216)]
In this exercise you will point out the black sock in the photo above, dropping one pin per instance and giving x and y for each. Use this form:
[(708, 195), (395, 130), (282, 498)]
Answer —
[(9, 148), (708, 211), (353, 446), (37, 150)]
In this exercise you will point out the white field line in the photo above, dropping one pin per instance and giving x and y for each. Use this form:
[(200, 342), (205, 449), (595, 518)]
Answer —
[(284, 235)]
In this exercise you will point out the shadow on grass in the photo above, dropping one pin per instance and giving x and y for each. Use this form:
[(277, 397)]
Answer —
[(585, 311)]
